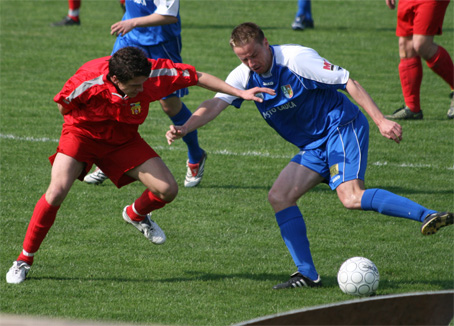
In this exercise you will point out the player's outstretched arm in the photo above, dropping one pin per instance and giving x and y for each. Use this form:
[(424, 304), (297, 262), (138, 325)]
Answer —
[(206, 112), (215, 84), (125, 26), (389, 129)]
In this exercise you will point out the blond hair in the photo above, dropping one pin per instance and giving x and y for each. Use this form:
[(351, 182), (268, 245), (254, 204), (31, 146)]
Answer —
[(246, 33)]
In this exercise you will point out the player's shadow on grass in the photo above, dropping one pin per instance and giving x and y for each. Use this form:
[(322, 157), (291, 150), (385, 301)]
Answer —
[(329, 281)]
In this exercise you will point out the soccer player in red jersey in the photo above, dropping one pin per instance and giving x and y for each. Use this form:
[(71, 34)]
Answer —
[(417, 24), (103, 105)]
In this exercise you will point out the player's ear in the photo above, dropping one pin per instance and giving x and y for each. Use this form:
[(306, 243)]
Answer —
[(114, 80), (265, 43)]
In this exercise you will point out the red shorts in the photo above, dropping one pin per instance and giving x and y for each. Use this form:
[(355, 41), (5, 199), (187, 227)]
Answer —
[(113, 160), (421, 17)]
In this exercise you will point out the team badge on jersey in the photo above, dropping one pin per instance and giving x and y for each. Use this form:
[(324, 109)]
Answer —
[(136, 108), (287, 90)]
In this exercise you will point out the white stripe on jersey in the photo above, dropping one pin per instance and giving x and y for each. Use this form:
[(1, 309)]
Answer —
[(84, 86), (164, 72)]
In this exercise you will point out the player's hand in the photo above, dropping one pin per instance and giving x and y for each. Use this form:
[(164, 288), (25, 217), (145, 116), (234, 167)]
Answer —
[(122, 27), (174, 133), (391, 130), (391, 4), (254, 94)]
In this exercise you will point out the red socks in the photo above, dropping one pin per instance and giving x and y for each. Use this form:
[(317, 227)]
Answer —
[(73, 12), (74, 4), (410, 72), (441, 64), (143, 205), (42, 219)]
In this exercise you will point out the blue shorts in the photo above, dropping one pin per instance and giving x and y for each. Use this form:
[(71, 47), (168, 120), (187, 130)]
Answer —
[(343, 157), (167, 50)]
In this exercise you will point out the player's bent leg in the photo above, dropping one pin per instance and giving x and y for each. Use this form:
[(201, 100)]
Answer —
[(179, 114), (292, 183), (424, 46), (162, 189), (65, 171), (350, 193), (156, 176)]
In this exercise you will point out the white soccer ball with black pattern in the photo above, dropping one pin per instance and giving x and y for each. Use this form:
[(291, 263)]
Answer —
[(358, 276)]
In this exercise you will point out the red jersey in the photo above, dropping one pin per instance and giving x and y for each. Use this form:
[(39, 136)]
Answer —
[(98, 111)]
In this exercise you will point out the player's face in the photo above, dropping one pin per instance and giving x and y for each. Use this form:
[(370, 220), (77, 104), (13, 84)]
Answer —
[(132, 87), (257, 56)]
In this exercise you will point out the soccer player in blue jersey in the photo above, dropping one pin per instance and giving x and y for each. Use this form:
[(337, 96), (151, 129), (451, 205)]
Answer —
[(155, 27), (303, 17), (331, 132)]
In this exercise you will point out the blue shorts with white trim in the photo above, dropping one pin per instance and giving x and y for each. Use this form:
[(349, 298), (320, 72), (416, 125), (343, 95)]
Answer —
[(343, 157)]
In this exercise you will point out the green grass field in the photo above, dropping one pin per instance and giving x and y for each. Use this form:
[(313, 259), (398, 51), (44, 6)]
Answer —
[(224, 251)]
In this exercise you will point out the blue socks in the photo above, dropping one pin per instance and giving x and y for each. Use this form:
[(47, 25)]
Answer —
[(195, 153), (304, 9), (293, 231), (387, 203)]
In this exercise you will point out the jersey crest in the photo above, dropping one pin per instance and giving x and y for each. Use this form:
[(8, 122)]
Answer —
[(136, 108), (288, 91)]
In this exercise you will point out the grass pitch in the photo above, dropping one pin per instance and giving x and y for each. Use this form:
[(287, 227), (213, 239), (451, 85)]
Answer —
[(224, 251)]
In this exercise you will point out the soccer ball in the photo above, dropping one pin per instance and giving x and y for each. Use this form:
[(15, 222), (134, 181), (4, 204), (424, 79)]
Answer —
[(358, 276)]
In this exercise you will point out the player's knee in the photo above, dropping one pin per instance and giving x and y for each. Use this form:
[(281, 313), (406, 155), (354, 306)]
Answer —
[(169, 192), (350, 201), (278, 199), (56, 195), (273, 197)]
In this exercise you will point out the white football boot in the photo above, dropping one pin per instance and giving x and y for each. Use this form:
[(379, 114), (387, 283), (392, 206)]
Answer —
[(148, 227), (17, 272), (96, 178), (194, 173)]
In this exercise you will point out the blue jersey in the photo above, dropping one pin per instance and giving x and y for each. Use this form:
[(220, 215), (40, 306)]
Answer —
[(153, 35), (307, 106)]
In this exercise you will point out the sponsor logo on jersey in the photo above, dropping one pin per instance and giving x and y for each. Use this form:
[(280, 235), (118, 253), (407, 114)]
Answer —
[(334, 170), (141, 2), (288, 91), (329, 66), (268, 84), (267, 114), (136, 108)]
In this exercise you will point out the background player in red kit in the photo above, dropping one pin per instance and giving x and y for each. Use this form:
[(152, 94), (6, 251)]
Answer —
[(417, 24), (103, 105)]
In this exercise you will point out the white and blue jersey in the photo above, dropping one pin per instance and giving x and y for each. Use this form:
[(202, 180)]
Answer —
[(309, 111), (153, 35), (307, 104), (158, 42)]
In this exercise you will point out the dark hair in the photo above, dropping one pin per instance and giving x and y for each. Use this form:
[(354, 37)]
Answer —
[(128, 63), (245, 33)]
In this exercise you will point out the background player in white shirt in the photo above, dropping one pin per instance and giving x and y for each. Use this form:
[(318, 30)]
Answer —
[(332, 135)]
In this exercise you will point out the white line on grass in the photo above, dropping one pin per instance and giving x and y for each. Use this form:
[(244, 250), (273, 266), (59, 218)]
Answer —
[(229, 153)]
